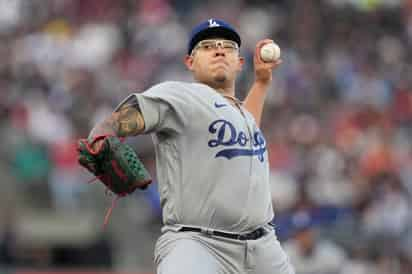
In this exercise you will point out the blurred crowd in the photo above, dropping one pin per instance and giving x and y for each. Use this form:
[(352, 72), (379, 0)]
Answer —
[(338, 126)]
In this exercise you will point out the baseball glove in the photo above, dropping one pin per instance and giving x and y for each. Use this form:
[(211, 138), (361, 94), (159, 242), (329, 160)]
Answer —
[(115, 164)]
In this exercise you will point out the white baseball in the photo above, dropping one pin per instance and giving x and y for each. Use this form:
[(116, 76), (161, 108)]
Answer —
[(270, 52)]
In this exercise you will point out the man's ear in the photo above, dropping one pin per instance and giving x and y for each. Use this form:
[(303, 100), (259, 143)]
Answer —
[(189, 62), (241, 63)]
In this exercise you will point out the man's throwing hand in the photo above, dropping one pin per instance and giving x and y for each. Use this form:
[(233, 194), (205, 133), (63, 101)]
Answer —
[(263, 70)]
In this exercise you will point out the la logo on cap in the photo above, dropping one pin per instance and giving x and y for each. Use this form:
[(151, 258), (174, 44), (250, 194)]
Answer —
[(213, 23)]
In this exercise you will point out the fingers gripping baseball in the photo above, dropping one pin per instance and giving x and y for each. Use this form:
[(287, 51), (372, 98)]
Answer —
[(264, 66)]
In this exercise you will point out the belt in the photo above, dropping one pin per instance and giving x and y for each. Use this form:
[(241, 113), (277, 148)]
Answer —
[(254, 235)]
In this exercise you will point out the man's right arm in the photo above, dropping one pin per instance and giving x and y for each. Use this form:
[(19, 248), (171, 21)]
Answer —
[(126, 121)]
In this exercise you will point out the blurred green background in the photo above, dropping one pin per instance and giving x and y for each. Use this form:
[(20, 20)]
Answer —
[(338, 123)]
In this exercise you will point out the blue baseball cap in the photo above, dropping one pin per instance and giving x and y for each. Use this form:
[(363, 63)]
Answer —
[(212, 28)]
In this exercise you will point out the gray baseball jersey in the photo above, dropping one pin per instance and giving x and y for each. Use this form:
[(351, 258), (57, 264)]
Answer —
[(211, 158)]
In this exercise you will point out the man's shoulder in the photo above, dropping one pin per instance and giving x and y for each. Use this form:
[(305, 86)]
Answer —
[(172, 85), (179, 88), (167, 87), (164, 88)]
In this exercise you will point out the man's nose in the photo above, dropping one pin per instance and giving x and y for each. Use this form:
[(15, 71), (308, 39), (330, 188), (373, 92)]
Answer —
[(219, 52)]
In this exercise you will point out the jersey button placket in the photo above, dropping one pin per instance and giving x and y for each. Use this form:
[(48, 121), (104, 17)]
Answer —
[(250, 132)]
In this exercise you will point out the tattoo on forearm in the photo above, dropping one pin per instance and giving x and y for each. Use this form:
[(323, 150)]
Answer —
[(130, 121), (127, 120), (107, 127)]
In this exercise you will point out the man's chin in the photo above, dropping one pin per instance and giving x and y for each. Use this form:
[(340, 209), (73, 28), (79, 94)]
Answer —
[(220, 78)]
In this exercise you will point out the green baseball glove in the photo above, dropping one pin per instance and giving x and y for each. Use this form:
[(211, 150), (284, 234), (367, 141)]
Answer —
[(115, 164)]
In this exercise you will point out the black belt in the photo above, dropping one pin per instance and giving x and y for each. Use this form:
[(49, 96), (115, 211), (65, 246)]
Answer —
[(254, 235)]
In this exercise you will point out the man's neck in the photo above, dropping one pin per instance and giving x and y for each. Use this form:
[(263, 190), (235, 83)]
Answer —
[(226, 91)]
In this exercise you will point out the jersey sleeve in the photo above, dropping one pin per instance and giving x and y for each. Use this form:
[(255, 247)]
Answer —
[(164, 108)]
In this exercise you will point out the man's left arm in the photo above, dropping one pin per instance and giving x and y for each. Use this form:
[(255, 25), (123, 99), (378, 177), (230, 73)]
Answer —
[(263, 78)]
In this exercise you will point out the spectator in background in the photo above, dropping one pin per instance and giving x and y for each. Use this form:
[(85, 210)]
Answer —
[(310, 254), (7, 237), (387, 217)]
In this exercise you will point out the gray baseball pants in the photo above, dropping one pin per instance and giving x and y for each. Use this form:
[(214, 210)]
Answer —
[(197, 253)]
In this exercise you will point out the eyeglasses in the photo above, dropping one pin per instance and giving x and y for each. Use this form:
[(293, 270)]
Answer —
[(213, 44)]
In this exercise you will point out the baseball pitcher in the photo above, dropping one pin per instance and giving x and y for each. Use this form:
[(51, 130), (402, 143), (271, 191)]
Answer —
[(211, 159)]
